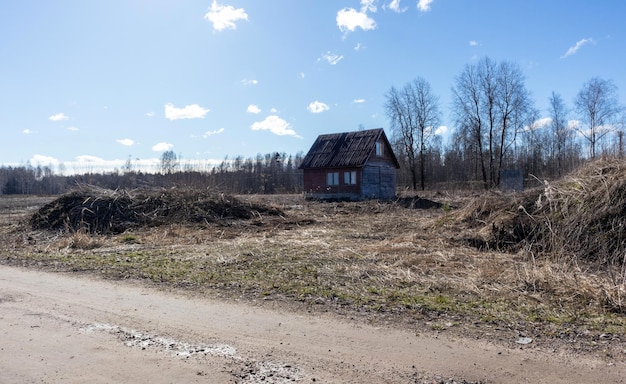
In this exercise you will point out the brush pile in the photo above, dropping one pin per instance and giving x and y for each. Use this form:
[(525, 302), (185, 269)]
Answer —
[(102, 211), (582, 216)]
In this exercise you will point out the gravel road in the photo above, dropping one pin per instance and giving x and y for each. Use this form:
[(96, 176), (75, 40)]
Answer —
[(57, 328)]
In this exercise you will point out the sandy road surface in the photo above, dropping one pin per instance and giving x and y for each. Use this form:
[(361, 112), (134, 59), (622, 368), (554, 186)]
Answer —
[(65, 329)]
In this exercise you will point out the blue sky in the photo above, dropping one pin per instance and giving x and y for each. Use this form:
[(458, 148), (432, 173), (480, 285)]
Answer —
[(93, 83)]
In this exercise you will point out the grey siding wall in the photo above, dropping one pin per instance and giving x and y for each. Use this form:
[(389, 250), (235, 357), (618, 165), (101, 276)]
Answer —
[(379, 181)]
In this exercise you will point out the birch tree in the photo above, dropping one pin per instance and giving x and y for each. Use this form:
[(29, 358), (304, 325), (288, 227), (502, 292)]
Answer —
[(598, 105), (414, 115)]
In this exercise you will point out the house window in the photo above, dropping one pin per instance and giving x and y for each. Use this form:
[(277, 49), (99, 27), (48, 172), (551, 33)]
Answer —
[(332, 178), (349, 178), (379, 149)]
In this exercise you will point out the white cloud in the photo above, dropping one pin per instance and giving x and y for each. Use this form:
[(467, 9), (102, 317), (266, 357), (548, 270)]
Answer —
[(162, 147), (225, 16), (273, 110), (394, 5), (43, 160), (359, 101), (424, 5), (73, 129), (579, 44), (302, 75), (150, 114), (28, 131), (59, 117), (542, 123), (317, 107), (253, 109), (349, 19), (441, 130), (249, 82), (358, 47), (193, 111), (331, 58), (473, 43), (126, 142), (211, 133), (276, 125)]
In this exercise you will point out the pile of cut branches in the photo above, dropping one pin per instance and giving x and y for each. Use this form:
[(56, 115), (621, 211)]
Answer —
[(582, 216), (97, 210)]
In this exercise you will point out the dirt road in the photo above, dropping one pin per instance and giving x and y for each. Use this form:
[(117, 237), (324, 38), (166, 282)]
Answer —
[(56, 328)]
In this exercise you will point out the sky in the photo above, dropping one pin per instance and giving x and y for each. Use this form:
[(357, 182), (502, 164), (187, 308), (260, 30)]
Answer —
[(89, 85)]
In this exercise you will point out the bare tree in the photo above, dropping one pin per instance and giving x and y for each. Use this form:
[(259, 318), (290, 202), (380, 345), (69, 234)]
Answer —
[(169, 162), (598, 105), (414, 115), (561, 134), (490, 105)]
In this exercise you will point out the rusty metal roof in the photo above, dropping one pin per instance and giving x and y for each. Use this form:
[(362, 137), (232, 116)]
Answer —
[(346, 149)]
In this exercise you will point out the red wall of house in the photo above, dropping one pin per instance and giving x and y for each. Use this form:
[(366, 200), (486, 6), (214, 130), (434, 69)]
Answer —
[(315, 181)]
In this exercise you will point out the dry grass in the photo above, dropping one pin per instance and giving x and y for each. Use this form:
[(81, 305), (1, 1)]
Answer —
[(382, 261)]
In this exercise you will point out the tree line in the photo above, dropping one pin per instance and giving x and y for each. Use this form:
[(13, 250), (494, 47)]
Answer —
[(264, 174), (496, 128)]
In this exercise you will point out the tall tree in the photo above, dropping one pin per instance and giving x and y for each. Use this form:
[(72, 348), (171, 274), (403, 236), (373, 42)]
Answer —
[(561, 133), (169, 162), (414, 115), (490, 106), (598, 105)]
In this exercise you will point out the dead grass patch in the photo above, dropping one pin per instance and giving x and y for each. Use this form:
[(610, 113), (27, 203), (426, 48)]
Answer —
[(380, 261)]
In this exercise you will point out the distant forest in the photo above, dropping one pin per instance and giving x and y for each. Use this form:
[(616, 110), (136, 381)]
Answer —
[(449, 168)]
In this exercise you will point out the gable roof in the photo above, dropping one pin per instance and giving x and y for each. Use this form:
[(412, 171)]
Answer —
[(346, 149)]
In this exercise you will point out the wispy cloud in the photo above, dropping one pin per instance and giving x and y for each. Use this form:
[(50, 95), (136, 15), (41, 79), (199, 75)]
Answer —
[(224, 16), (424, 5), (73, 129), (394, 5), (359, 101), (574, 124), (317, 107), (249, 82), (276, 125), (253, 109), (579, 44), (162, 147), (368, 5), (86, 159), (193, 111), (126, 142), (58, 117), (358, 47), (150, 114), (441, 130), (349, 19), (331, 58), (211, 133), (473, 43)]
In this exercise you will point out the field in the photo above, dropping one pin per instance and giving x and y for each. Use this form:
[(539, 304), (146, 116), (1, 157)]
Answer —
[(416, 263)]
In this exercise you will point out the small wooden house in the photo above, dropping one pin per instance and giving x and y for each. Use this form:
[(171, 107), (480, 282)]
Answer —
[(350, 165)]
